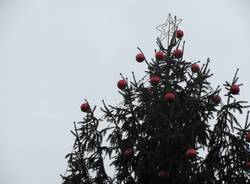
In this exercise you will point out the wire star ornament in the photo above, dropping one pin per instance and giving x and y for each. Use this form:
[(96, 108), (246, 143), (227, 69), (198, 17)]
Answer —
[(168, 28)]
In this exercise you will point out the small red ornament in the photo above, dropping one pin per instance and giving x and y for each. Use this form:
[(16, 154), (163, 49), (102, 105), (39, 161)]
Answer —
[(85, 107), (247, 137), (191, 153), (195, 68), (178, 53), (179, 33), (234, 89), (154, 80), (159, 55), (129, 152), (121, 84), (140, 57), (170, 97), (216, 99), (247, 165), (163, 174)]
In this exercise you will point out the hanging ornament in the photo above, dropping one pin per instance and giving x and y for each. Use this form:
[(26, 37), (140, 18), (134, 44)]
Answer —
[(216, 99), (177, 53), (179, 34), (163, 174), (129, 152), (195, 68), (154, 80), (85, 107), (234, 89), (159, 55), (191, 153), (121, 84), (247, 137), (169, 97), (140, 57)]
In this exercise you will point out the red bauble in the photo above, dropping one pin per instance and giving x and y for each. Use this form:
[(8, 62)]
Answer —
[(121, 84), (159, 55), (170, 97), (140, 57), (85, 107), (178, 53), (234, 89), (191, 153), (129, 152), (247, 137), (216, 99), (163, 174), (195, 68), (154, 80), (247, 165), (179, 33)]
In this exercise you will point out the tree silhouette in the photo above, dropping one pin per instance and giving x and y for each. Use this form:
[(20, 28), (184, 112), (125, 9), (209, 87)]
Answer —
[(171, 127)]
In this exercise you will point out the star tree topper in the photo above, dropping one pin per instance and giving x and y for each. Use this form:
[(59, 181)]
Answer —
[(168, 28)]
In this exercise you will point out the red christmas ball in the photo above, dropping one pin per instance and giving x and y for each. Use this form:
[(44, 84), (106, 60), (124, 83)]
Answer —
[(178, 53), (216, 99), (247, 137), (179, 33), (121, 84), (129, 152), (195, 68), (234, 89), (85, 107), (191, 153), (154, 80), (163, 174), (169, 97), (159, 55), (247, 165), (140, 57)]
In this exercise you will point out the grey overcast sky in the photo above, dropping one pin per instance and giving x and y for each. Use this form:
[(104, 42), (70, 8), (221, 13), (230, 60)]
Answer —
[(55, 53)]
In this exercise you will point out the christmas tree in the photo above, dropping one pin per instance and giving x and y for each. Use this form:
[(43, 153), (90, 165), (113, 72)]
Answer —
[(171, 127)]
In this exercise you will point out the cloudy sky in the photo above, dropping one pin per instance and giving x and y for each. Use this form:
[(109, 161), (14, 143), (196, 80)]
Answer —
[(55, 53)]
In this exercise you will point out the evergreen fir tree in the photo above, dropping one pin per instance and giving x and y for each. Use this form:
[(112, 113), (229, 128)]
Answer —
[(171, 127)]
